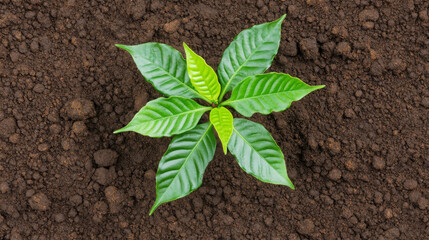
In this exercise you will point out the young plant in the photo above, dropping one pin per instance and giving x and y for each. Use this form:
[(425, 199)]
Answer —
[(241, 69)]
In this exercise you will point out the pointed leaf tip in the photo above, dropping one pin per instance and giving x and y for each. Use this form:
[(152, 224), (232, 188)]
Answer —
[(241, 59), (154, 207), (265, 93), (291, 185), (222, 120), (121, 46), (181, 169), (257, 153), (124, 129)]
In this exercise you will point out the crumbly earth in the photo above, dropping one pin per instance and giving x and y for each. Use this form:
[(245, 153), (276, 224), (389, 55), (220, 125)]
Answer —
[(357, 151)]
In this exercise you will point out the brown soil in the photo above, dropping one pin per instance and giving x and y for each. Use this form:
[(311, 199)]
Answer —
[(357, 151)]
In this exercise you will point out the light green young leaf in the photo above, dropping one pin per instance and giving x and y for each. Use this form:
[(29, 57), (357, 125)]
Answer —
[(269, 92), (165, 117), (181, 169), (251, 52), (221, 118), (257, 153), (202, 76), (164, 67)]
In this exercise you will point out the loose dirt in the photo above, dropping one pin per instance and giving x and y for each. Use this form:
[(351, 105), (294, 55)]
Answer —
[(357, 151)]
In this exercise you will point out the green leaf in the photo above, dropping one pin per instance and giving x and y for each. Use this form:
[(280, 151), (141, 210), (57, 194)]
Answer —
[(222, 120), (269, 92), (165, 117), (164, 67), (251, 52), (202, 76), (181, 169), (257, 153)]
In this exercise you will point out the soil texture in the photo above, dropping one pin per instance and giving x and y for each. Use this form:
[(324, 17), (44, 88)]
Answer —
[(357, 150)]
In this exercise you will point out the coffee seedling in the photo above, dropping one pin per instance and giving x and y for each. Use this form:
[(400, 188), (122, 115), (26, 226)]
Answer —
[(241, 70)]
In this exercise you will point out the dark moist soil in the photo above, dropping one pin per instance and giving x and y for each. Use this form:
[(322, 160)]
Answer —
[(357, 151)]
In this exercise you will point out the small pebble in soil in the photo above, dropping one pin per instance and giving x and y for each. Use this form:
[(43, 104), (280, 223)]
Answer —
[(59, 217), (198, 204), (309, 48), (410, 184), (7, 127), (425, 102), (268, 221), (423, 15), (14, 56), (105, 157), (397, 65), (149, 175), (423, 203), (140, 100), (346, 213), (39, 88), (368, 25), (350, 164), (388, 213), (228, 220), (34, 46), (291, 49), (349, 113), (334, 147), (358, 93), (115, 198), (100, 209), (30, 192), (4, 187), (79, 128), (14, 138), (369, 15), (378, 197), (376, 69), (378, 163), (39, 201), (172, 26), (55, 128), (392, 233), (414, 196), (75, 200), (343, 49), (79, 109), (306, 227), (335, 174), (103, 176), (294, 236), (43, 147)]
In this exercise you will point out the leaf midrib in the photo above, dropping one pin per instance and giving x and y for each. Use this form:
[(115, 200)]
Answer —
[(178, 115), (186, 160), (256, 151), (224, 91), (262, 95)]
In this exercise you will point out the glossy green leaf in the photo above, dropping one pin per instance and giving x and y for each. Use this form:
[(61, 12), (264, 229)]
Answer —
[(164, 67), (266, 93), (202, 76), (181, 169), (257, 153), (251, 52), (165, 117), (222, 120)]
